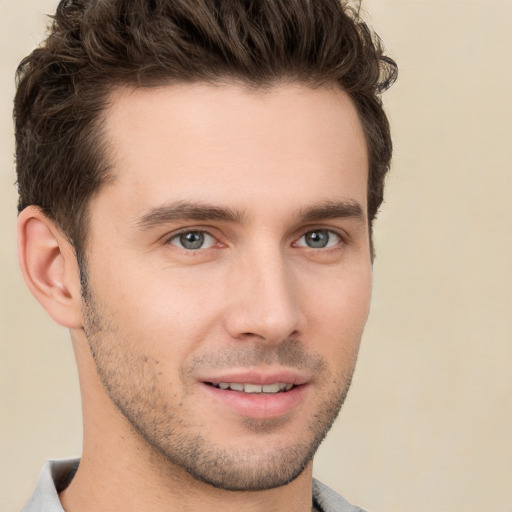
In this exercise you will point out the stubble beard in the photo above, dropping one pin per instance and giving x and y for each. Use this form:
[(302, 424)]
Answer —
[(130, 380)]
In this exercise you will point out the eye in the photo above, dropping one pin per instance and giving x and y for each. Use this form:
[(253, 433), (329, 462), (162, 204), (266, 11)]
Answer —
[(319, 239), (193, 240)]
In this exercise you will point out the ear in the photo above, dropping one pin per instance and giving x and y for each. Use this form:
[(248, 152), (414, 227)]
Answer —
[(49, 266)]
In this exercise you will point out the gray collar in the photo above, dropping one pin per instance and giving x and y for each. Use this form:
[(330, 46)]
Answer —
[(56, 475)]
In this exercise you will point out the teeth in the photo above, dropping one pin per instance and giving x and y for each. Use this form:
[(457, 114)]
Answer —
[(252, 388), (255, 388), (271, 388)]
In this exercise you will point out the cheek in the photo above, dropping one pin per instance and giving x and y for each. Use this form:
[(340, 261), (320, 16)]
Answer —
[(338, 310), (169, 312)]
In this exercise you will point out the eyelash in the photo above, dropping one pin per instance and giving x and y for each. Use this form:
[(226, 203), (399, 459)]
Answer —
[(330, 233), (339, 239), (201, 232)]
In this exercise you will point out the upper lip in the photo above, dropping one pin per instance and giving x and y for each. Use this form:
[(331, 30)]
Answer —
[(258, 377)]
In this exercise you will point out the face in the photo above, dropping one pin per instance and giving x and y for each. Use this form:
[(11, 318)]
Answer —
[(229, 274)]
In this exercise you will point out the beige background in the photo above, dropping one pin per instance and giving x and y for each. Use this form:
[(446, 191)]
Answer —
[(428, 422)]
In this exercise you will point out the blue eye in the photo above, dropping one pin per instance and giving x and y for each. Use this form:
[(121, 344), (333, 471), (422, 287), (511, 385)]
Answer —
[(193, 240), (319, 239)]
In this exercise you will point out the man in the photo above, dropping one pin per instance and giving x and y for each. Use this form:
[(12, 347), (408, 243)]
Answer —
[(198, 182)]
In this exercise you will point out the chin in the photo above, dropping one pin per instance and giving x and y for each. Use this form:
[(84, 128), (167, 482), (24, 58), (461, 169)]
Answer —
[(250, 471)]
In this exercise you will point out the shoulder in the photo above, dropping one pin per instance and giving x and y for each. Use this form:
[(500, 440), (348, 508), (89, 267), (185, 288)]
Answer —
[(331, 501)]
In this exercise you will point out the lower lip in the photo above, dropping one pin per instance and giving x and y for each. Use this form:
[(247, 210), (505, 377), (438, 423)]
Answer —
[(258, 405)]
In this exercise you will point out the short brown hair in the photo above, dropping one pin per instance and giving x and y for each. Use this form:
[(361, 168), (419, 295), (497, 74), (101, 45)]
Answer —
[(94, 45)]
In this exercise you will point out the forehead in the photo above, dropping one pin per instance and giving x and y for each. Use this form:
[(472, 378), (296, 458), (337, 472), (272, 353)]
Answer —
[(229, 143)]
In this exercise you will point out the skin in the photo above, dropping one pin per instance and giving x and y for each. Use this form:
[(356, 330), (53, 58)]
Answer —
[(256, 173)]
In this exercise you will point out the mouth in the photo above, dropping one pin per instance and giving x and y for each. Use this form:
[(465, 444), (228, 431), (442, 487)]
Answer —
[(258, 395), (267, 389)]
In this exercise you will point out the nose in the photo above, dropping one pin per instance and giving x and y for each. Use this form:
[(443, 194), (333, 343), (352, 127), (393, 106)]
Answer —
[(264, 302)]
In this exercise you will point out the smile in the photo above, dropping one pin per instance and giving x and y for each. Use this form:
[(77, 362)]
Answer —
[(278, 387), (259, 400)]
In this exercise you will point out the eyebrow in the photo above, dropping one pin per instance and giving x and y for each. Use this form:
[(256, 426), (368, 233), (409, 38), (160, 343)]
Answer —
[(199, 212), (333, 210), (184, 210)]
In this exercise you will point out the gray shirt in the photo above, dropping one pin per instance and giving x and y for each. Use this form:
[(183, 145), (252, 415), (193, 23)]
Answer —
[(56, 475)]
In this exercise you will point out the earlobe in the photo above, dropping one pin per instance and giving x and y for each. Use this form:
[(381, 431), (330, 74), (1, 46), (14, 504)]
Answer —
[(49, 266)]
